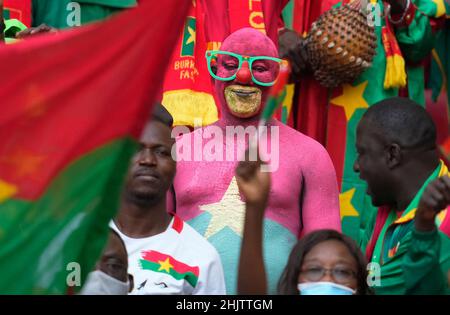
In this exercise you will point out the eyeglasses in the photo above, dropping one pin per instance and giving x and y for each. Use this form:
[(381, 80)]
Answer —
[(340, 275), (224, 66)]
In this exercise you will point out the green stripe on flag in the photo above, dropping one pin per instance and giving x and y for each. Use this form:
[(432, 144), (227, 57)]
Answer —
[(68, 224), (188, 276)]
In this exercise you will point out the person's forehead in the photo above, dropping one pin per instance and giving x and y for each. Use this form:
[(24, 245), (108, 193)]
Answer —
[(156, 132), (250, 44), (330, 250), (367, 131)]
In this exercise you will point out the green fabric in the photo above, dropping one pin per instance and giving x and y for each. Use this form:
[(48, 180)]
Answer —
[(421, 261), (415, 41), (40, 238), (420, 265), (288, 15), (56, 13), (377, 252), (437, 74), (12, 27)]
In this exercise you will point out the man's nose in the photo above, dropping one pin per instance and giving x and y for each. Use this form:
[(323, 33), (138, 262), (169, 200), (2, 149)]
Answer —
[(244, 76), (147, 157)]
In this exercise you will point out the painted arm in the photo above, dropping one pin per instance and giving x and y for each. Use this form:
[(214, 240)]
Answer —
[(320, 194), (254, 185)]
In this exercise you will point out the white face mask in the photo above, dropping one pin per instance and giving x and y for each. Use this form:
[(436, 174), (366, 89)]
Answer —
[(324, 288), (100, 283)]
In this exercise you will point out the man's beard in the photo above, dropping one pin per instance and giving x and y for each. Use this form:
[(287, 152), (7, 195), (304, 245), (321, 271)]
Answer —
[(243, 105), (142, 200)]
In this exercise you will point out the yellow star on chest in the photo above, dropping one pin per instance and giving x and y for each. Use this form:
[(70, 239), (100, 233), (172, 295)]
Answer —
[(351, 99), (228, 212), (165, 265), (345, 202)]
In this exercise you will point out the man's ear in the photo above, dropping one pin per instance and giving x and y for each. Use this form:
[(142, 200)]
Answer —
[(393, 155)]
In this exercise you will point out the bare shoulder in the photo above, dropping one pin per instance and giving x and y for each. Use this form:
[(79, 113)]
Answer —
[(301, 144)]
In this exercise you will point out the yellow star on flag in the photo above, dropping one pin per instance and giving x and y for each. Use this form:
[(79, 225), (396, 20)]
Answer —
[(345, 202), (351, 99), (191, 38), (440, 8), (35, 105), (165, 265), (6, 191), (228, 212)]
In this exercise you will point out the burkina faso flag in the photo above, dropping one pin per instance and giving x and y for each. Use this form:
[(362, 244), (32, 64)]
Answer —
[(159, 262), (72, 106), (18, 9)]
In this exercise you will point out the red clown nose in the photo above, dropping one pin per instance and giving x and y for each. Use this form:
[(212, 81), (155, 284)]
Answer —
[(244, 76)]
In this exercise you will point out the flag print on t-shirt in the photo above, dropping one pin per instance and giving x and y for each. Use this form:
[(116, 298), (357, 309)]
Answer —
[(176, 261), (159, 262)]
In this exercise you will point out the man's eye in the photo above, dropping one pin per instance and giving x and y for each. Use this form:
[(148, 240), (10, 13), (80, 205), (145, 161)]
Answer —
[(162, 152), (115, 266), (230, 66), (259, 68)]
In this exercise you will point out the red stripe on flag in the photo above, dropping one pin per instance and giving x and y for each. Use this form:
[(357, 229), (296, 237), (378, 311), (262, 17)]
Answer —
[(79, 89), (337, 131)]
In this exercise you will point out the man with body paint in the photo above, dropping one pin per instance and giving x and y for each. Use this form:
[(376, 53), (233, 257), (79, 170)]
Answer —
[(304, 193)]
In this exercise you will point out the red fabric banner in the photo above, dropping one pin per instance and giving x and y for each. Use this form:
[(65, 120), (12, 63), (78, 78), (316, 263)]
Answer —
[(69, 92)]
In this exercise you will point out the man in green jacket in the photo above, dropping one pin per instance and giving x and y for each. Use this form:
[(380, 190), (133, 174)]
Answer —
[(67, 13), (408, 244)]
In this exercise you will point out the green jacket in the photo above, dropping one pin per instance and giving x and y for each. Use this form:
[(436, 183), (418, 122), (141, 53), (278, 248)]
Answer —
[(416, 42), (63, 14), (410, 262)]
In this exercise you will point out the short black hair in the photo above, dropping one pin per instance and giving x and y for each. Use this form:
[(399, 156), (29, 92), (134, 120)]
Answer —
[(289, 279), (403, 121), (161, 114)]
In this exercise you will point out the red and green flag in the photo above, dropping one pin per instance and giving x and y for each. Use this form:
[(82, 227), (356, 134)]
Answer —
[(72, 106), (159, 262), (19, 10)]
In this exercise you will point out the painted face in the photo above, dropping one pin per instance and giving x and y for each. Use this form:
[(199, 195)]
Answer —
[(152, 169), (242, 97), (370, 163), (329, 261)]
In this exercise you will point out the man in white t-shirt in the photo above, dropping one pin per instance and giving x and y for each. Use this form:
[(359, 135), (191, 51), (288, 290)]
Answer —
[(165, 255)]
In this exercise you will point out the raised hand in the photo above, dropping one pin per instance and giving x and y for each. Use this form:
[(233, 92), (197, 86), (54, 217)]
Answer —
[(435, 198), (36, 30), (253, 184), (397, 6), (292, 48)]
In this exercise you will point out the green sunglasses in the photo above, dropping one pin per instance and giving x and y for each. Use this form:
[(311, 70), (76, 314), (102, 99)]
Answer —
[(260, 74)]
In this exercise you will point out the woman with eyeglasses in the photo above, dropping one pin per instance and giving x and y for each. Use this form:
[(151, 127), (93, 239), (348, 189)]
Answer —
[(324, 262)]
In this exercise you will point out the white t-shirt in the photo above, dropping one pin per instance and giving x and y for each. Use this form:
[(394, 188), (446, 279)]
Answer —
[(177, 261)]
